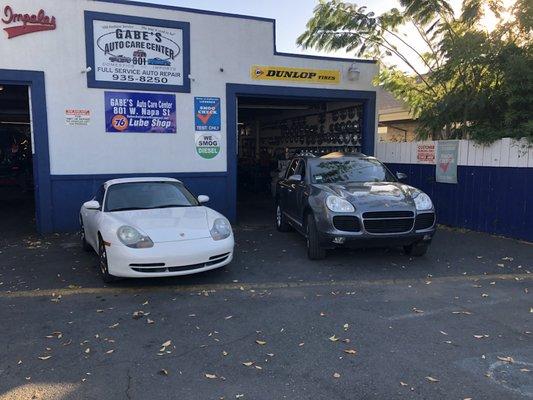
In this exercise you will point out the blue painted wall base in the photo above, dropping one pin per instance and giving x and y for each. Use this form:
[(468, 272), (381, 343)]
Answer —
[(496, 200), (69, 192)]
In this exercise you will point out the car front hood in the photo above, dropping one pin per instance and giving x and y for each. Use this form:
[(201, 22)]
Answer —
[(167, 224), (375, 195)]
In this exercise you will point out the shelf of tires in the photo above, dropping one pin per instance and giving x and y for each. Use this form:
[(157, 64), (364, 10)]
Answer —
[(320, 133)]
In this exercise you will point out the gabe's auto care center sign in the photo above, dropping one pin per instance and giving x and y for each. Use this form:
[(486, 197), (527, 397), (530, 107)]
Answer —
[(137, 54)]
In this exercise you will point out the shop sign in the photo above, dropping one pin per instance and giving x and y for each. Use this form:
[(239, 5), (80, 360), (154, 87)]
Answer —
[(446, 166), (425, 153), (301, 75), (137, 56), (77, 117), (140, 112), (207, 113), (26, 23), (208, 145)]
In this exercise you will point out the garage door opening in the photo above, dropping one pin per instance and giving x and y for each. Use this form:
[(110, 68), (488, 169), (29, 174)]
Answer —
[(273, 130), (17, 203)]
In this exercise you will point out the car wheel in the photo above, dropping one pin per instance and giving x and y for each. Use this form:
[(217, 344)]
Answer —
[(102, 263), (84, 244), (416, 249), (281, 223), (314, 250)]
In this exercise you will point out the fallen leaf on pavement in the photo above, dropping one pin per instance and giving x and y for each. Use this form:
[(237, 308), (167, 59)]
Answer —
[(149, 321), (167, 343), (334, 338), (260, 342), (44, 358), (248, 363), (506, 359), (110, 351), (336, 375), (350, 351), (114, 326), (210, 376), (431, 379), (163, 372), (403, 383)]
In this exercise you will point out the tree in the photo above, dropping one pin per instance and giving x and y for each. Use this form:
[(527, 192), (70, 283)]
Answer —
[(458, 78)]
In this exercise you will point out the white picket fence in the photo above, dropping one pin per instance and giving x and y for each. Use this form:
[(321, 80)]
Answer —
[(502, 153)]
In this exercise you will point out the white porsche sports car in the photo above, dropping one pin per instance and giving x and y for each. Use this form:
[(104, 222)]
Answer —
[(153, 227)]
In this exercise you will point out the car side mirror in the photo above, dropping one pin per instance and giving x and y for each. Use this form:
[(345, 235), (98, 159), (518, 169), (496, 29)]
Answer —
[(297, 178), (203, 199), (91, 205), (401, 176)]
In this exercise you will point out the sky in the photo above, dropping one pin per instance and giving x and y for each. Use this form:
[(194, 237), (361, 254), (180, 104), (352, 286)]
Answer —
[(291, 15)]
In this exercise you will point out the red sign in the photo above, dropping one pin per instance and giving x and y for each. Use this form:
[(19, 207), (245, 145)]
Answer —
[(26, 23)]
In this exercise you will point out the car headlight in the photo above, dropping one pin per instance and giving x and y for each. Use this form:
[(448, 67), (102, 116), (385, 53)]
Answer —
[(131, 237), (338, 204), (423, 202), (221, 229)]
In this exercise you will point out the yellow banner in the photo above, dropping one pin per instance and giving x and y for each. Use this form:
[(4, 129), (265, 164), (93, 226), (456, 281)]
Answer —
[(302, 75)]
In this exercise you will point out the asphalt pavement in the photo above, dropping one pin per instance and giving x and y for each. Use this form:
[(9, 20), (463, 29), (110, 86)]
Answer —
[(362, 324)]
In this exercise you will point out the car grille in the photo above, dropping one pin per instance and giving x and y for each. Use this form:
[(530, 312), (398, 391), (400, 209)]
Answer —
[(159, 268), (424, 221), (346, 223), (388, 214), (388, 221)]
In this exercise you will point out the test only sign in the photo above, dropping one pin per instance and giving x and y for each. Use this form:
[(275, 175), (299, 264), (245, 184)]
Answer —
[(446, 164), (140, 112), (207, 121), (207, 113), (137, 53)]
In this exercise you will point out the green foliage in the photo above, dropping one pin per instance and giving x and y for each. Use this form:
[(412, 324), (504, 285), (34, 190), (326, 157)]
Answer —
[(466, 82)]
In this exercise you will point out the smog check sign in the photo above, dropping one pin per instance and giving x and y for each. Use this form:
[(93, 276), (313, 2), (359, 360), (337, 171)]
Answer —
[(301, 75)]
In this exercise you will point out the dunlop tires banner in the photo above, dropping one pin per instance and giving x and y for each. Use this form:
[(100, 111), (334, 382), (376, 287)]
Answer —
[(302, 75)]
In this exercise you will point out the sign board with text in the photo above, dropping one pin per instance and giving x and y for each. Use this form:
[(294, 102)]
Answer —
[(301, 75), (425, 153), (140, 112), (126, 52), (446, 165), (207, 114)]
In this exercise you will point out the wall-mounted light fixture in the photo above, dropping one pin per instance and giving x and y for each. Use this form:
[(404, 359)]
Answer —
[(353, 72), (1, 88)]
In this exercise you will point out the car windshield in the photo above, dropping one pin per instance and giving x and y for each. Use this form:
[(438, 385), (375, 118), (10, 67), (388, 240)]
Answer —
[(352, 170), (148, 195)]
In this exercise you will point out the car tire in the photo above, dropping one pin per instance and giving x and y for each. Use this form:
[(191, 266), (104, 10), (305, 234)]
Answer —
[(103, 264), (84, 244), (416, 249), (281, 224), (314, 250)]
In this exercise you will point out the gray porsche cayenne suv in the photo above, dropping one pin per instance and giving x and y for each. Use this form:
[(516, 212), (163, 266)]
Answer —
[(352, 200)]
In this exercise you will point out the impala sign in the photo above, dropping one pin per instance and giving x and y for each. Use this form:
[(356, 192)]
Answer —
[(22, 23)]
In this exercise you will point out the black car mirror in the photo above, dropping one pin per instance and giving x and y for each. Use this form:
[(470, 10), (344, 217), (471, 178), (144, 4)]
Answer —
[(401, 176), (297, 178)]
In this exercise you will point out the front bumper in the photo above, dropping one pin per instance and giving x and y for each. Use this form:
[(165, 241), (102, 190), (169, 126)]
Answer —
[(331, 237), (170, 259)]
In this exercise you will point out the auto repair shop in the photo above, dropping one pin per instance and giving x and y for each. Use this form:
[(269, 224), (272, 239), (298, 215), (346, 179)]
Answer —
[(92, 90)]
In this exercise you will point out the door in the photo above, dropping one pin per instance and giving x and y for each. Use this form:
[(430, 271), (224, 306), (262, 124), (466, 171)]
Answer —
[(301, 192), (90, 218), (292, 191), (285, 187)]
